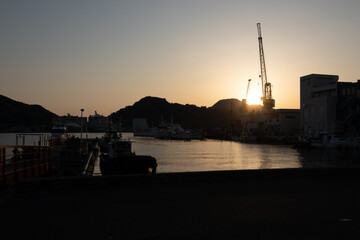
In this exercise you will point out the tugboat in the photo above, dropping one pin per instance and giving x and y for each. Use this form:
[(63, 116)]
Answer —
[(119, 159)]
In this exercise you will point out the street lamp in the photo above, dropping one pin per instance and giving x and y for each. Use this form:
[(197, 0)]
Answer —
[(82, 110)]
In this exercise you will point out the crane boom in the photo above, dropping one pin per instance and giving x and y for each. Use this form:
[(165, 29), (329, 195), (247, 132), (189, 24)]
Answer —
[(247, 90), (262, 61), (268, 102)]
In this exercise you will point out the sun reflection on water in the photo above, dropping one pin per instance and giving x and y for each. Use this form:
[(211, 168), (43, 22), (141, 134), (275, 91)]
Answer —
[(209, 155)]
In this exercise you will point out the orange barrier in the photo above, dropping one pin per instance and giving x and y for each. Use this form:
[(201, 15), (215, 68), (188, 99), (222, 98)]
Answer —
[(18, 162)]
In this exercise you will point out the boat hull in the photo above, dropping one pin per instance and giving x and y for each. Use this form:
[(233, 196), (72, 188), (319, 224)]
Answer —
[(127, 165)]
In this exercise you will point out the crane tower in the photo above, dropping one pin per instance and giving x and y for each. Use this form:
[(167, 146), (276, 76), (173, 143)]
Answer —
[(266, 98)]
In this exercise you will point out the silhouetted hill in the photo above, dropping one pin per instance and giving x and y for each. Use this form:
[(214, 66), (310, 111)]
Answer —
[(228, 104), (155, 109), (234, 105), (17, 115)]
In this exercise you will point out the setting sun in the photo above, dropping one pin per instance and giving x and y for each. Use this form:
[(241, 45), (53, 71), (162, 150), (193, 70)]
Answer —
[(254, 94), (254, 98)]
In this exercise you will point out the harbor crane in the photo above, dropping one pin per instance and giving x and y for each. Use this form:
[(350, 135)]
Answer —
[(247, 90), (266, 98)]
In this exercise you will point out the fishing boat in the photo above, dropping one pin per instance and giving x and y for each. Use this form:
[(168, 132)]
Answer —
[(119, 159)]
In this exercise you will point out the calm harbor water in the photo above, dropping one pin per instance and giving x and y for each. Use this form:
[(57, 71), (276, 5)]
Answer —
[(210, 155)]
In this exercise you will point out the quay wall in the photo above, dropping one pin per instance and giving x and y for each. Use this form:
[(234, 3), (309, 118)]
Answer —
[(246, 204), (71, 183)]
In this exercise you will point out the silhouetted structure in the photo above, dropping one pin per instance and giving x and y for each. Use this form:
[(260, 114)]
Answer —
[(266, 98), (72, 123), (328, 106), (277, 122), (348, 110), (98, 123)]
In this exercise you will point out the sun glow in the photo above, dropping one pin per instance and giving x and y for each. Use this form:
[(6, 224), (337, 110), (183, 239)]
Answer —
[(254, 98)]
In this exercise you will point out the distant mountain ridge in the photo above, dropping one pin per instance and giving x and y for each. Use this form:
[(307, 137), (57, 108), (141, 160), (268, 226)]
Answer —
[(20, 117), (16, 115), (156, 109)]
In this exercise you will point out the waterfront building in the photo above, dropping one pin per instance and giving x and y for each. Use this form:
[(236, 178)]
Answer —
[(348, 107), (277, 122), (72, 123), (98, 123), (328, 106)]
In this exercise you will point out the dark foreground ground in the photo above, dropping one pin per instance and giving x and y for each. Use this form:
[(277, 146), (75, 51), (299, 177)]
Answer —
[(266, 204)]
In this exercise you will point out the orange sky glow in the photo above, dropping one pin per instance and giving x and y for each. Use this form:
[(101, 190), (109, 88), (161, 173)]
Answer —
[(105, 55)]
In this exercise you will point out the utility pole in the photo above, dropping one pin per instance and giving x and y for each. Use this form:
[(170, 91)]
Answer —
[(82, 124)]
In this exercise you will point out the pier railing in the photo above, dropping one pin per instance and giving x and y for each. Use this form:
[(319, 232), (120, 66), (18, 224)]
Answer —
[(18, 162), (42, 139)]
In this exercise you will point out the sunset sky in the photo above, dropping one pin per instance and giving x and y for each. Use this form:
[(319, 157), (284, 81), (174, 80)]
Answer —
[(104, 55)]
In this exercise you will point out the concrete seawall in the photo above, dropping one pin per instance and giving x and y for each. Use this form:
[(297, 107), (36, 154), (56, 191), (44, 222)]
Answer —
[(247, 204)]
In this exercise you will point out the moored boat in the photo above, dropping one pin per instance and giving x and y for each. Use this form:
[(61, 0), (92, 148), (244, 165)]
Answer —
[(59, 132), (120, 159), (324, 140)]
